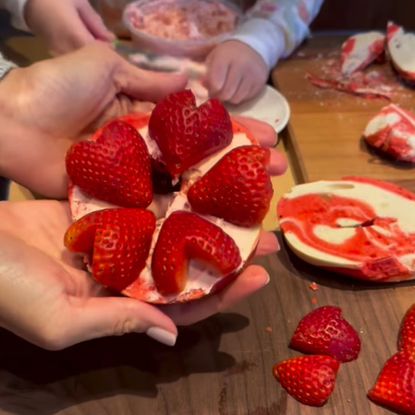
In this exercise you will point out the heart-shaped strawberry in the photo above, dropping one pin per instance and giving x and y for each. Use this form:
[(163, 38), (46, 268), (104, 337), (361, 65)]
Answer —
[(308, 379), (406, 341), (241, 173), (117, 242), (115, 167), (395, 385), (185, 236), (325, 331), (185, 133)]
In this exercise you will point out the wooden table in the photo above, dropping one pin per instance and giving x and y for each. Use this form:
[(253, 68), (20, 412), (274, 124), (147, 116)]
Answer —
[(223, 366)]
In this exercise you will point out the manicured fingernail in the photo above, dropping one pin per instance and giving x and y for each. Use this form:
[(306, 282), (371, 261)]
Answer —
[(162, 336)]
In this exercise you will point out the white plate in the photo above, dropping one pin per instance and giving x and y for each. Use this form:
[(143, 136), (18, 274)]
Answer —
[(270, 106)]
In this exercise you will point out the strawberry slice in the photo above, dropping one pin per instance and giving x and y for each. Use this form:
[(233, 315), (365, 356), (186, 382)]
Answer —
[(185, 236), (115, 167), (241, 173), (395, 385), (185, 133), (325, 331), (308, 379), (117, 242), (406, 341)]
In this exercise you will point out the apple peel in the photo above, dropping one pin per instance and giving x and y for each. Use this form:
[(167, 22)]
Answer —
[(359, 227)]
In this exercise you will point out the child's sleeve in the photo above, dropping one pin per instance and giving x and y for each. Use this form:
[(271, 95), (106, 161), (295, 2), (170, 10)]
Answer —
[(16, 9), (274, 28)]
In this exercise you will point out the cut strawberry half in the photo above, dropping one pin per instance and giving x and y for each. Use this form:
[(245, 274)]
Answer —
[(406, 341), (395, 385), (356, 226), (360, 50), (308, 379), (116, 242), (115, 167), (251, 192), (185, 236), (392, 132), (401, 49), (185, 133), (325, 331)]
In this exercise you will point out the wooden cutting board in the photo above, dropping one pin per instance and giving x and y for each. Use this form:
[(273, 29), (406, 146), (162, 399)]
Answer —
[(326, 126)]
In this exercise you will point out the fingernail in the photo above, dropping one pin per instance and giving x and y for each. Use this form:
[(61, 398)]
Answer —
[(162, 336)]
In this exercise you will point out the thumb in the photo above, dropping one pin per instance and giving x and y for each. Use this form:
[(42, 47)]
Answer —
[(148, 85), (94, 23), (113, 316)]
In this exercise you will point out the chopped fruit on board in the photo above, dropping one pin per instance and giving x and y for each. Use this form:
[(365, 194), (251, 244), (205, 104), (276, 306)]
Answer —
[(185, 133), (392, 132), (190, 255), (308, 379), (359, 227), (251, 194), (360, 50), (401, 50), (325, 331), (116, 241), (114, 167), (395, 386)]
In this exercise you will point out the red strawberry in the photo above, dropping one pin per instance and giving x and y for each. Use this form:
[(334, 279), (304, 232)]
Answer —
[(395, 385), (309, 379), (407, 333), (185, 236), (237, 188), (117, 242), (186, 134), (325, 331), (115, 168)]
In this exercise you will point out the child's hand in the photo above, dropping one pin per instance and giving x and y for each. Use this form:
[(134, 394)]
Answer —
[(235, 72), (65, 25)]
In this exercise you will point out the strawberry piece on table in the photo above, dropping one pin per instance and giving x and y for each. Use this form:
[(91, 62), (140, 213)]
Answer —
[(185, 236), (117, 242), (325, 331), (308, 379), (395, 385), (185, 133), (115, 167), (406, 340), (237, 188)]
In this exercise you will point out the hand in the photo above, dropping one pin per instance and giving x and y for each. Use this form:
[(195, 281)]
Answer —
[(46, 107), (235, 72), (47, 299), (65, 25)]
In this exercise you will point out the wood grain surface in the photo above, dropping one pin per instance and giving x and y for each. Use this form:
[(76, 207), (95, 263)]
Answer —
[(326, 126)]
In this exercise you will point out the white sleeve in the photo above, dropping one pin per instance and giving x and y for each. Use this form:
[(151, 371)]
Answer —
[(16, 9), (274, 28)]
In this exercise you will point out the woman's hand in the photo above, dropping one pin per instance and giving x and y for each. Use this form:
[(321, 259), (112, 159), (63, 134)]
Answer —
[(46, 107)]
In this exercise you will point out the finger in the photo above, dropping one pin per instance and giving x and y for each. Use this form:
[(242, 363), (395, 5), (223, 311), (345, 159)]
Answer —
[(268, 244), (277, 164), (233, 80), (94, 23), (242, 93), (112, 316), (250, 281), (217, 72), (148, 85), (264, 133)]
